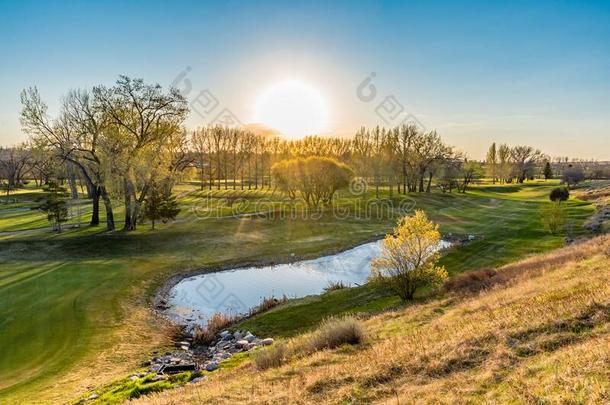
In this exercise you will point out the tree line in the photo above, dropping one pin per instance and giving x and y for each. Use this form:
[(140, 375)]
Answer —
[(127, 142)]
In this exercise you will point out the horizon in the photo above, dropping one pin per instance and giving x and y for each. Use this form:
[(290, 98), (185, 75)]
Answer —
[(476, 73)]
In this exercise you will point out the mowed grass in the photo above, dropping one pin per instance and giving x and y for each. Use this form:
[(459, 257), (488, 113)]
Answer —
[(539, 337), (71, 305)]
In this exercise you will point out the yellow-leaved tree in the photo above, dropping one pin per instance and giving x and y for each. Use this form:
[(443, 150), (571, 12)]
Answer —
[(409, 256)]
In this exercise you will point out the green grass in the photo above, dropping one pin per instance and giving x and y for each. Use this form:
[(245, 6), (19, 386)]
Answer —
[(64, 297), (127, 389)]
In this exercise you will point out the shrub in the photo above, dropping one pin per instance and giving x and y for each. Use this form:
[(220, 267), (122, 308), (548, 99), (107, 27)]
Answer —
[(471, 281), (559, 194), (554, 218), (335, 285), (315, 178), (273, 356), (409, 256), (334, 332)]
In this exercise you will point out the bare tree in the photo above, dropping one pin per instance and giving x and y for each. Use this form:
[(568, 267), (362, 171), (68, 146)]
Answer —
[(525, 159), (141, 118), (14, 164)]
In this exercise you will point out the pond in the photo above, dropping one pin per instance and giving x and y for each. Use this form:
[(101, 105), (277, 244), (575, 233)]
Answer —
[(194, 299)]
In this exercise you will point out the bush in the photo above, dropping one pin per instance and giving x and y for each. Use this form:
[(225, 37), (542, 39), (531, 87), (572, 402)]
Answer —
[(472, 281), (315, 178), (554, 218), (409, 256), (334, 332), (273, 356), (559, 194)]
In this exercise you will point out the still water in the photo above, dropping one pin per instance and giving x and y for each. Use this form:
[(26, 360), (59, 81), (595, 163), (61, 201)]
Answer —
[(194, 299)]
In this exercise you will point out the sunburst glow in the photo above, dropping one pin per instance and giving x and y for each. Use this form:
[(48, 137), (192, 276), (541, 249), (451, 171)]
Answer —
[(293, 108)]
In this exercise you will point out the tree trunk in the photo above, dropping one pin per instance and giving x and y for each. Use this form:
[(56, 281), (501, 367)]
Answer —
[(211, 177), (202, 176), (255, 173), (95, 213), (249, 173), (429, 182), (128, 225), (72, 182), (109, 213)]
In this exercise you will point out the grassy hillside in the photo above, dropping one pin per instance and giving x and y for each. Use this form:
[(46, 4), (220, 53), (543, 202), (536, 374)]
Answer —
[(73, 306), (540, 333)]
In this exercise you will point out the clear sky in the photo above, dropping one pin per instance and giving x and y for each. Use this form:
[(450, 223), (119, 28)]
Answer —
[(533, 73)]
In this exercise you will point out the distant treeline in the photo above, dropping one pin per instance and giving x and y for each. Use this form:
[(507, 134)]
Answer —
[(123, 142)]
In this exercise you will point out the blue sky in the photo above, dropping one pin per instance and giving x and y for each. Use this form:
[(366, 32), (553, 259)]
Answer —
[(477, 72)]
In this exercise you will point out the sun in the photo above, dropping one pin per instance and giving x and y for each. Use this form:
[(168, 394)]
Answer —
[(293, 108)]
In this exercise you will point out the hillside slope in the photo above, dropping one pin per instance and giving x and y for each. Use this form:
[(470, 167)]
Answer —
[(538, 332)]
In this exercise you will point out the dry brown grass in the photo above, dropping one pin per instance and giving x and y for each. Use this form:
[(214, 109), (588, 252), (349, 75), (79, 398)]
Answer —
[(476, 281), (542, 335), (273, 356), (335, 285), (217, 323), (332, 333), (267, 303)]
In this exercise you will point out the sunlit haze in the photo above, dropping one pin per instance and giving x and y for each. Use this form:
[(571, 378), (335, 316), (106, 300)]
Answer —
[(293, 108)]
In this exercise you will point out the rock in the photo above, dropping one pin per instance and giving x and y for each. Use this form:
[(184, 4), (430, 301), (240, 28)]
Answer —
[(211, 366), (198, 379), (225, 355), (184, 347), (238, 335), (266, 342), (160, 377), (224, 333), (145, 364), (141, 375), (242, 343), (178, 368), (133, 377), (92, 397), (249, 337), (250, 346), (155, 368), (184, 343)]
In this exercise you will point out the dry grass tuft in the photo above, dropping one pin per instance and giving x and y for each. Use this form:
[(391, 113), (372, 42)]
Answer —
[(215, 324), (335, 285), (267, 303), (335, 332), (274, 356), (332, 332)]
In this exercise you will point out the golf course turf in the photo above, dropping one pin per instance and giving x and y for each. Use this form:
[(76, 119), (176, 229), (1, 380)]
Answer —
[(70, 303)]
